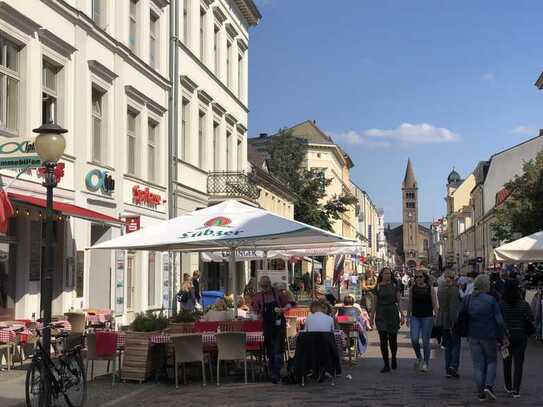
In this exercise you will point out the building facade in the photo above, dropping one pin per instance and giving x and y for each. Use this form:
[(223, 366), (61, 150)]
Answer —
[(101, 70)]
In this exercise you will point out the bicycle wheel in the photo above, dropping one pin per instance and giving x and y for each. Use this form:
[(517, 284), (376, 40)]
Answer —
[(73, 381), (37, 385)]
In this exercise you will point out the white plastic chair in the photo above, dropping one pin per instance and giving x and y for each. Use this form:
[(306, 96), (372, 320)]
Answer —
[(231, 346), (188, 348)]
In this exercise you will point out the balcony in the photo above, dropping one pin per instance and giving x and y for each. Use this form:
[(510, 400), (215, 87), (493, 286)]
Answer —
[(232, 185)]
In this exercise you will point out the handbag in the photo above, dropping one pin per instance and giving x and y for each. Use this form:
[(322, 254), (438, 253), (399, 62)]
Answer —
[(461, 325), (529, 326)]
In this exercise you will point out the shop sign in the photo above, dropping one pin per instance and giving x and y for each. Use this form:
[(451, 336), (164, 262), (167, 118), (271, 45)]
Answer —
[(100, 180), (145, 196), (132, 224), (18, 153)]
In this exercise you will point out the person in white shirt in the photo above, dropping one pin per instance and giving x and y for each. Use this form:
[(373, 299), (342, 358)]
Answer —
[(318, 320)]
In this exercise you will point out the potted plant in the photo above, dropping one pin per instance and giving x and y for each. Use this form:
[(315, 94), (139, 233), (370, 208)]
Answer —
[(184, 321), (137, 361)]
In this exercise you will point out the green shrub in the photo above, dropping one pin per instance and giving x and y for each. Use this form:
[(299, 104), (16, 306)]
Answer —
[(149, 321)]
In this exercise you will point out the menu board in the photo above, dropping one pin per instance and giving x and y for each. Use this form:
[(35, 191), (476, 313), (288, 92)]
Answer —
[(35, 251), (166, 280), (119, 282)]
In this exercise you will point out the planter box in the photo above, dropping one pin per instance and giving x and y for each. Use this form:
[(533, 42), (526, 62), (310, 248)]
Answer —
[(137, 360), (180, 327)]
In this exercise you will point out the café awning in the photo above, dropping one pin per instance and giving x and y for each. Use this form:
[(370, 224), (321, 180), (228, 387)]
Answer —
[(526, 249), (65, 208)]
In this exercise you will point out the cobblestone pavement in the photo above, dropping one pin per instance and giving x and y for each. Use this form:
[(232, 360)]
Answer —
[(368, 387)]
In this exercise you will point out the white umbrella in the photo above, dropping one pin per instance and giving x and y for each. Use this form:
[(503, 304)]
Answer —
[(229, 225), (526, 249)]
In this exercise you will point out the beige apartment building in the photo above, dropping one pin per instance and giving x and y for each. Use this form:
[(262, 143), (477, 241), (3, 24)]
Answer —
[(327, 158)]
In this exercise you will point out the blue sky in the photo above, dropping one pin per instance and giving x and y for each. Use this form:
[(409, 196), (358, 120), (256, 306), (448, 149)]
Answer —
[(447, 83)]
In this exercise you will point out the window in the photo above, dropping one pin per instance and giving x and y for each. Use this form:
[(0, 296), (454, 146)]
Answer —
[(410, 205), (133, 22), (201, 139), (216, 146), (228, 64), (185, 128), (152, 151), (410, 195), (79, 273), (240, 76), (132, 140), (217, 49), (49, 93), (151, 279), (228, 142), (130, 274), (98, 13), (370, 242), (98, 136), (9, 85), (154, 35), (321, 174), (240, 155), (186, 23), (202, 34)]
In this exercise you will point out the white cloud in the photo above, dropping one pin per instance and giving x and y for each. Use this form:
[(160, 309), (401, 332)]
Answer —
[(489, 76), (405, 134), (522, 130)]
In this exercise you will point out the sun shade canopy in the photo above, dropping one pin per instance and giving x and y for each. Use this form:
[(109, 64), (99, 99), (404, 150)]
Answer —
[(227, 225), (526, 249)]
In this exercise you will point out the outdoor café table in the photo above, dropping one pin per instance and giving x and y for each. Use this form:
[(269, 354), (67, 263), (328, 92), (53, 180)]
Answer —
[(8, 335)]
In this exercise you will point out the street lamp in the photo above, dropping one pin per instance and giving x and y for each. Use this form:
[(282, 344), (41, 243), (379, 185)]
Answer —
[(50, 145)]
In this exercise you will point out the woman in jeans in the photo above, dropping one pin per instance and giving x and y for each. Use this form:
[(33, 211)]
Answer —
[(448, 297), (420, 315), (516, 314), (485, 329), (387, 316)]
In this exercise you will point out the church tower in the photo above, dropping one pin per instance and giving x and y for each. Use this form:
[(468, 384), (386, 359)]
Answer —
[(410, 216)]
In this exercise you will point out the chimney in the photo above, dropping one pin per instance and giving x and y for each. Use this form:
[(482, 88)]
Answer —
[(263, 135)]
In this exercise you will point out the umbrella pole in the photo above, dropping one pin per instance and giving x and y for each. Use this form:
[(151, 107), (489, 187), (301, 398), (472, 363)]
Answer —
[(312, 278), (234, 279)]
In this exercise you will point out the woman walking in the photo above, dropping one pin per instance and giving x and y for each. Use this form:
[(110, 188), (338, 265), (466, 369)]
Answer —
[(186, 296), (388, 317), (518, 317), (448, 296), (485, 329), (420, 316)]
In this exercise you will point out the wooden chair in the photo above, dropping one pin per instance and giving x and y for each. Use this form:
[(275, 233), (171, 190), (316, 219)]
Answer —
[(231, 346), (7, 346), (188, 349)]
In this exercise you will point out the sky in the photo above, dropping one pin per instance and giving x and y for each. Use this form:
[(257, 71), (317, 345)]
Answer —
[(445, 82)]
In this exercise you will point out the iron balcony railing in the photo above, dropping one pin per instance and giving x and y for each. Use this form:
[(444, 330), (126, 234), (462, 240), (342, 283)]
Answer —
[(232, 184)]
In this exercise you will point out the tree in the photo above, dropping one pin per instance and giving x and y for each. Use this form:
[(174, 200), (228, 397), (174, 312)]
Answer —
[(287, 155), (522, 213)]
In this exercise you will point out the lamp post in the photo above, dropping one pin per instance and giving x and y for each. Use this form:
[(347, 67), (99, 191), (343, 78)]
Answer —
[(50, 145)]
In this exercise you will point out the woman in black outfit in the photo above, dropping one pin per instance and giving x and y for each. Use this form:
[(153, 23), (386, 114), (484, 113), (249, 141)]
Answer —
[(387, 315), (517, 314)]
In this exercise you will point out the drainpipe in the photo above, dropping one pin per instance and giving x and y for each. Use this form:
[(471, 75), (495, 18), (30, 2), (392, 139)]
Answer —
[(173, 101)]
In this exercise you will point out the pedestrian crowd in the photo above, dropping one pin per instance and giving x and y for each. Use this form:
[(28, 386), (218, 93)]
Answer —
[(487, 309)]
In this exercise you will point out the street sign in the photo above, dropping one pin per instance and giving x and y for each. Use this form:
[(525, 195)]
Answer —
[(18, 153)]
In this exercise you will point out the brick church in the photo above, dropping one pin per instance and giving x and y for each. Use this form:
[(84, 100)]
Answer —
[(410, 239)]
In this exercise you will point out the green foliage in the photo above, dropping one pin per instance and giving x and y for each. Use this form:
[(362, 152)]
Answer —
[(522, 212), (188, 316), (149, 321), (287, 155)]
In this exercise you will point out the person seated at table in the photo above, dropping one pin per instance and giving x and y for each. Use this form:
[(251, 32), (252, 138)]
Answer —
[(219, 312), (319, 320), (349, 309), (243, 309)]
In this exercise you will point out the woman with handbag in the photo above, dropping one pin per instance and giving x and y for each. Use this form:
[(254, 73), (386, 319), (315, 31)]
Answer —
[(420, 317), (387, 316), (519, 325)]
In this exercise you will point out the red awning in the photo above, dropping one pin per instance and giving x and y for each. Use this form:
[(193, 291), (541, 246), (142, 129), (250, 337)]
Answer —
[(65, 208)]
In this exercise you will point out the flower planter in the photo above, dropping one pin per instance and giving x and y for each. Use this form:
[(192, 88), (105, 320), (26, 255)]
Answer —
[(181, 327), (137, 360)]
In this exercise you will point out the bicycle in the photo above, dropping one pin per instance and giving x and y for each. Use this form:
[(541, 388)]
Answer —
[(48, 380)]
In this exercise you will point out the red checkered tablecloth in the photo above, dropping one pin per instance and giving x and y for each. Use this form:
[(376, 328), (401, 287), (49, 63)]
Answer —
[(8, 335)]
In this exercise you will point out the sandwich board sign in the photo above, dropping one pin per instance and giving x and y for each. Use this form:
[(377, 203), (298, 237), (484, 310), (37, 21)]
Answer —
[(18, 153)]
